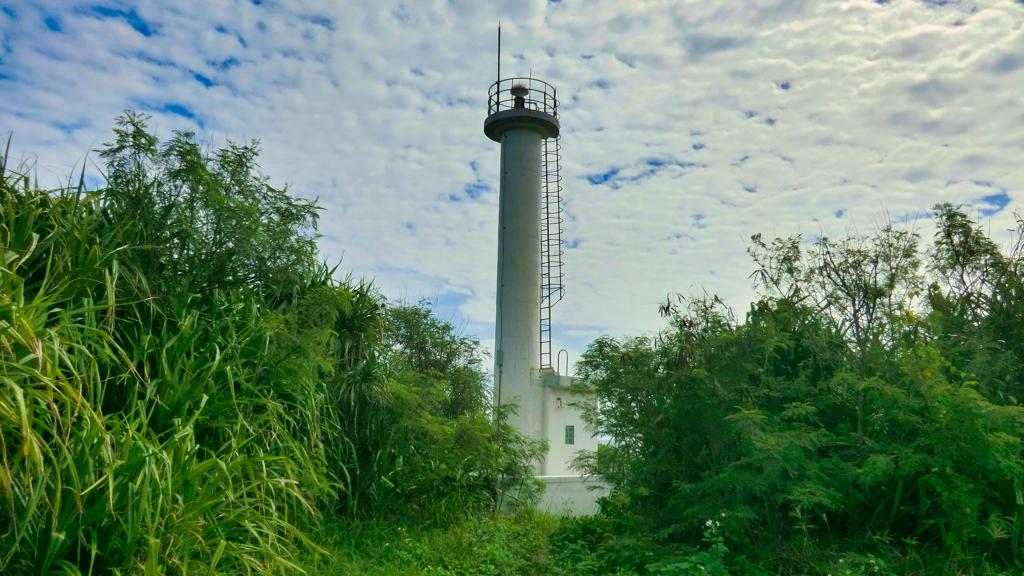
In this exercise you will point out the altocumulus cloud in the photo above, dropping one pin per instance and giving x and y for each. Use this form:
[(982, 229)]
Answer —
[(687, 125)]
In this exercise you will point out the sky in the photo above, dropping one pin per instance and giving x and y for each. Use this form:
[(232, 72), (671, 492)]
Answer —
[(686, 126)]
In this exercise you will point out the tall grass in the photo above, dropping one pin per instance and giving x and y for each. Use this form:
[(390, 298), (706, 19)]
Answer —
[(192, 471)]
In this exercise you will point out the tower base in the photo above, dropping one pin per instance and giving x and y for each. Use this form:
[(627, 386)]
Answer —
[(571, 495)]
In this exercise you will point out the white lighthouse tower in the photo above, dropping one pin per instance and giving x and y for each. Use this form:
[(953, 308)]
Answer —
[(523, 118)]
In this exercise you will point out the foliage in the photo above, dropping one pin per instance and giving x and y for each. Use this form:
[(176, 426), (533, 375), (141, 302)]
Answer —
[(184, 388), (486, 545), (203, 221), (429, 348), (440, 450), (866, 407), (710, 561), (175, 479)]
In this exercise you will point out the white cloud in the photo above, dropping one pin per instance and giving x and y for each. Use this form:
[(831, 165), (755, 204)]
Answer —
[(700, 122)]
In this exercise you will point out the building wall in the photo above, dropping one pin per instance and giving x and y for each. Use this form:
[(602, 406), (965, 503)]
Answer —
[(558, 415), (571, 495)]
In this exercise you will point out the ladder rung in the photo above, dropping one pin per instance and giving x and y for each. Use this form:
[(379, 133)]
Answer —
[(552, 288)]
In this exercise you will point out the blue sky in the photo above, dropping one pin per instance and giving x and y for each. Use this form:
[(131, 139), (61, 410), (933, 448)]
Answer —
[(687, 126)]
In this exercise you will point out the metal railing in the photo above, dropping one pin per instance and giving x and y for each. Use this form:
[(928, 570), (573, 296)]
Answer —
[(558, 363), (539, 96)]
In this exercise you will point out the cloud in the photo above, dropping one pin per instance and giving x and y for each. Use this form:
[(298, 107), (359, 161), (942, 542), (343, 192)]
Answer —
[(685, 127), (322, 21), (699, 46)]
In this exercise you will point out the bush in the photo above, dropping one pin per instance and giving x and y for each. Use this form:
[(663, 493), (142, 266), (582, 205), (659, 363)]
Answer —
[(439, 451), (866, 407), (487, 545)]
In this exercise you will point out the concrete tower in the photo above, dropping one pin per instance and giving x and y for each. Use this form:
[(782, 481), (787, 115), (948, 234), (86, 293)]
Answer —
[(522, 114), (523, 118)]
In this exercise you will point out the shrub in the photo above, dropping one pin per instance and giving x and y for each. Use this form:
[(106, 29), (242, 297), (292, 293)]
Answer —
[(844, 417)]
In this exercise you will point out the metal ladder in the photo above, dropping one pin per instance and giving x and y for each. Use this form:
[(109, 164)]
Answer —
[(551, 287)]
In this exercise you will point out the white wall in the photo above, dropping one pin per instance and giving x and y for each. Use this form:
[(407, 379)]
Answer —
[(571, 495), (560, 454)]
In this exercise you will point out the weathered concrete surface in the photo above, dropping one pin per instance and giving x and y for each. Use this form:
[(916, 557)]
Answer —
[(517, 321), (571, 495)]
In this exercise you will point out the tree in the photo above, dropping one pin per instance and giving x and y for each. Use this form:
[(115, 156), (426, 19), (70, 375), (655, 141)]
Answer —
[(206, 220), (842, 416)]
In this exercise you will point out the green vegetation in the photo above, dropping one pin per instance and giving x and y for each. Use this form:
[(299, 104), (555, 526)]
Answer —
[(486, 545), (862, 418), (185, 388)]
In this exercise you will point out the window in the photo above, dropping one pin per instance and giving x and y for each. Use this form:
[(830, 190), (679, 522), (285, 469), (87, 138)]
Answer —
[(570, 434)]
